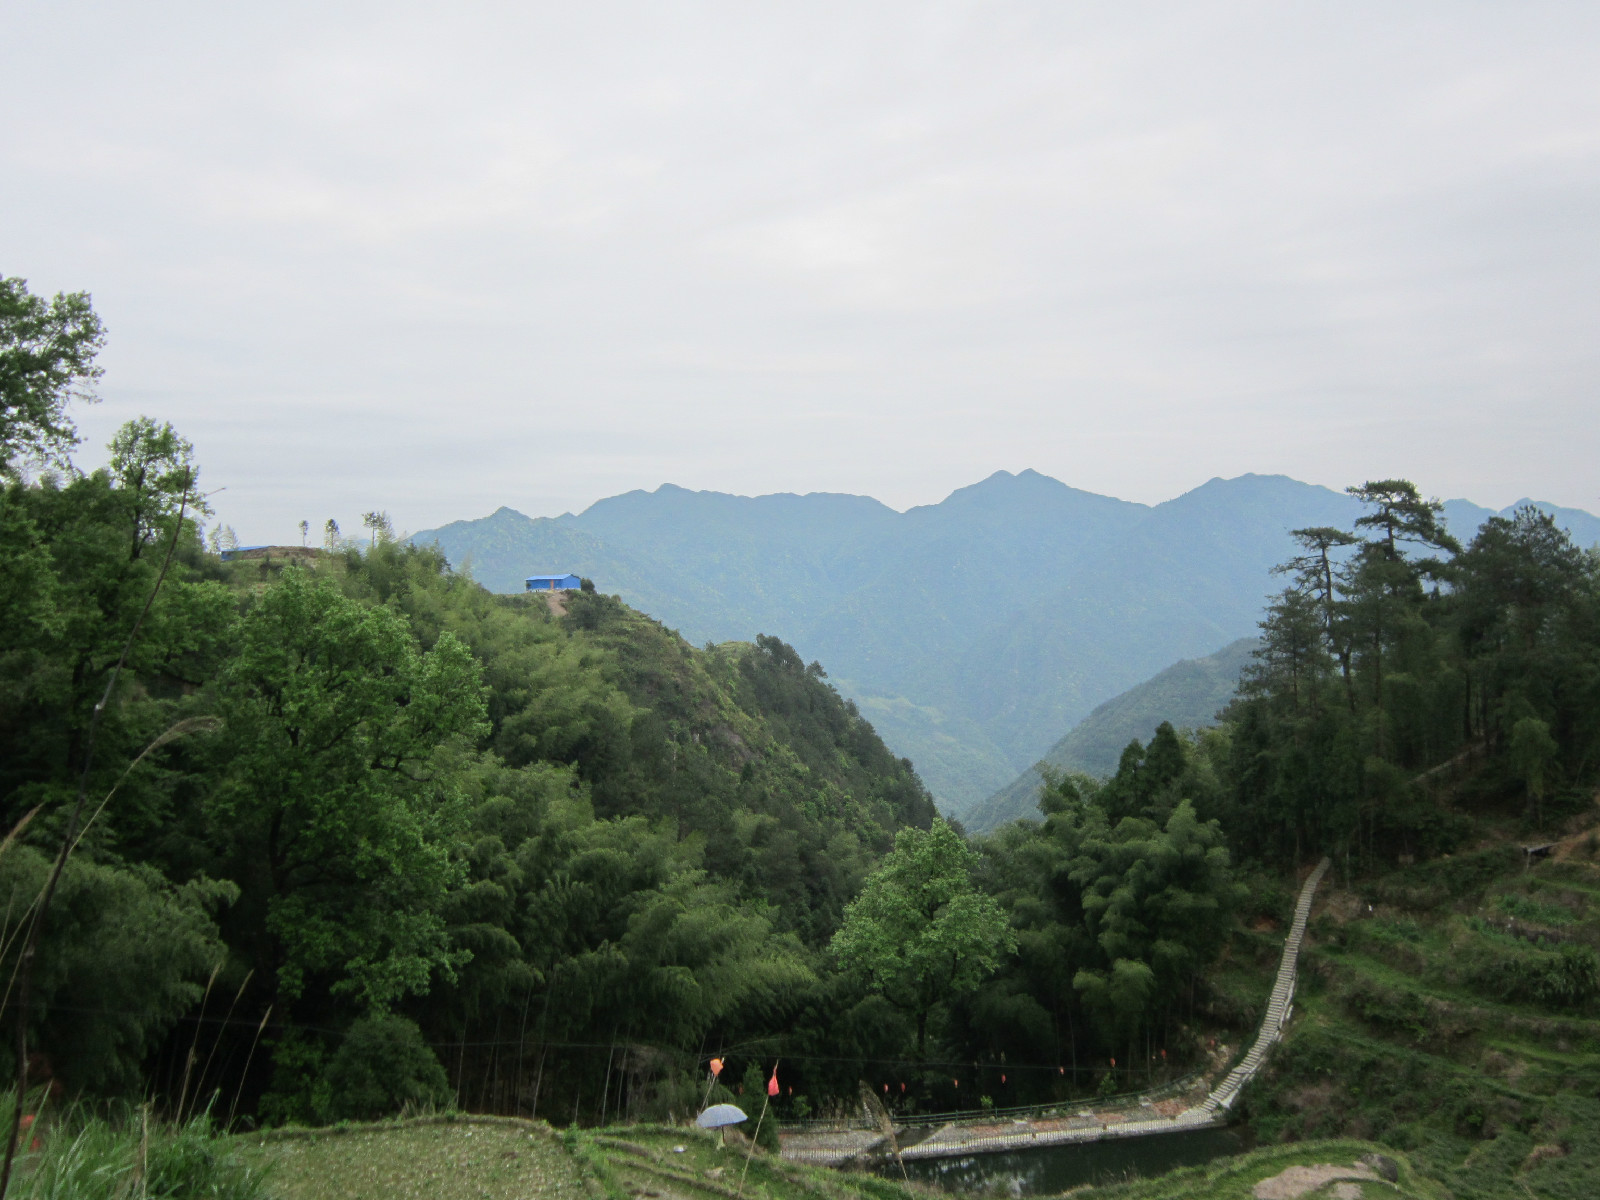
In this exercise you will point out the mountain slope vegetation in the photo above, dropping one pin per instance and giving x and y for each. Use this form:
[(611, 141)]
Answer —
[(1424, 711), (387, 812), (1187, 695), (971, 632)]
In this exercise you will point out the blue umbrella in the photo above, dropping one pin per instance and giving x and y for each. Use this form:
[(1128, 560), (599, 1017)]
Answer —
[(719, 1115)]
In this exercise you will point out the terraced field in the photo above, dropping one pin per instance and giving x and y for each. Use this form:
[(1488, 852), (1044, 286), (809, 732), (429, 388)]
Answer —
[(1453, 1010), (490, 1158), (471, 1158), (678, 1164)]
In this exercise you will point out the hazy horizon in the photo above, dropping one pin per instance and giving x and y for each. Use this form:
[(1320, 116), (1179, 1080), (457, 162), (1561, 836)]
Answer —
[(962, 487)]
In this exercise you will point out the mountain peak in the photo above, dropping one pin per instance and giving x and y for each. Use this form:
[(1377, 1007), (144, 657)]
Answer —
[(1028, 495)]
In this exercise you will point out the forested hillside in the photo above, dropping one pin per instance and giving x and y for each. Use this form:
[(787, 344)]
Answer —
[(1188, 695), (972, 632), (1422, 711), (382, 811), (350, 831), (371, 787), (359, 833)]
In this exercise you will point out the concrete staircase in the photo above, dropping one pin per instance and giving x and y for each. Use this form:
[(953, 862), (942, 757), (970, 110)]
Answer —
[(1279, 1008)]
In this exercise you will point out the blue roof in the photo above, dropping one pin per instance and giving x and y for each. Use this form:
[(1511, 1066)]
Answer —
[(552, 583)]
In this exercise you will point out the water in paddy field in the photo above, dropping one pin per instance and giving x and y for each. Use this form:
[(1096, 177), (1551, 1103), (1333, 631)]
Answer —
[(1053, 1169)]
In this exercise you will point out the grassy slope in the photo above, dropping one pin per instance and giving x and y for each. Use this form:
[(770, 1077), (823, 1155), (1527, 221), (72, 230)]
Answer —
[(1409, 1031), (487, 1158), (448, 1160)]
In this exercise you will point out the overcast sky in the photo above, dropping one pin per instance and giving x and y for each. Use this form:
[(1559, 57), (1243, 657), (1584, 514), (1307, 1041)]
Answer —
[(436, 259)]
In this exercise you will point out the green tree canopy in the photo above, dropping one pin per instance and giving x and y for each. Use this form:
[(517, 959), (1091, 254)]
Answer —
[(1158, 901), (341, 819), (47, 353), (1400, 514), (124, 956), (921, 932)]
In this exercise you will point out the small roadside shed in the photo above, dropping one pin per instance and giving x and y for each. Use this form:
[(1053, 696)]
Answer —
[(552, 583)]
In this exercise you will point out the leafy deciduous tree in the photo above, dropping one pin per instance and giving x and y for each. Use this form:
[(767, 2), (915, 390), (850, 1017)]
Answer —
[(920, 932), (336, 797), (47, 353)]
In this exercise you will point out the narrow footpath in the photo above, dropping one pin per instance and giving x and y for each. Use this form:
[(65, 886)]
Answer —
[(1145, 1118)]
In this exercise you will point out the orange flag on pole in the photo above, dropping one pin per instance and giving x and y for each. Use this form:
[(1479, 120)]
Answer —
[(772, 1084)]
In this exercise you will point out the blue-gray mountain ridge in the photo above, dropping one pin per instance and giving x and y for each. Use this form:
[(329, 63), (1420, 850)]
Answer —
[(972, 632)]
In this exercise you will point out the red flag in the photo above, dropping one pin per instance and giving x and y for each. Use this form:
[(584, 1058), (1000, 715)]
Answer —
[(716, 1067), (772, 1084)]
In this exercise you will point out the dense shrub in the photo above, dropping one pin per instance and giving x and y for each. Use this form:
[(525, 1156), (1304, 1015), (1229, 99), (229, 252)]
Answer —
[(1566, 978), (382, 1067), (1526, 909), (1391, 1010), (1435, 884)]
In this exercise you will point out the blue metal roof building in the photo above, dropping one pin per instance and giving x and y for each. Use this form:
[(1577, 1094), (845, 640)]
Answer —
[(552, 583)]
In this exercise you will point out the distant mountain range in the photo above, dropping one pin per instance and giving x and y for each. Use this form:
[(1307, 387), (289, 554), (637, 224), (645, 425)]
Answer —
[(1189, 694), (971, 632)]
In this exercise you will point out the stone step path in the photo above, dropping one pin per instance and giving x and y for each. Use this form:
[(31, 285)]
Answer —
[(979, 1137), (1279, 1005)]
